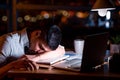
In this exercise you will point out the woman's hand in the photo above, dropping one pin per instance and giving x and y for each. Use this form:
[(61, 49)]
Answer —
[(24, 63), (60, 51)]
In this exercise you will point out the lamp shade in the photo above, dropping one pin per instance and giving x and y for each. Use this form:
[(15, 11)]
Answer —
[(102, 6)]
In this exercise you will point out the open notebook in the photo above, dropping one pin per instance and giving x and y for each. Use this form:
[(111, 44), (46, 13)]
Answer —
[(93, 54), (53, 60)]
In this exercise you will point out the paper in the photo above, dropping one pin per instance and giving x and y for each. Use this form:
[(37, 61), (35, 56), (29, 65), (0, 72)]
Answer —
[(53, 60)]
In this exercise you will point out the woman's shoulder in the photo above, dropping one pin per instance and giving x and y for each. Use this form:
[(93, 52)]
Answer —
[(10, 36)]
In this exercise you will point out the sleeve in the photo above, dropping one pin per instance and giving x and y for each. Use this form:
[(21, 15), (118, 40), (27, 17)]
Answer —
[(5, 50)]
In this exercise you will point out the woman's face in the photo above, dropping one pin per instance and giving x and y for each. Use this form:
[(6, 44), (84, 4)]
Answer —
[(37, 45)]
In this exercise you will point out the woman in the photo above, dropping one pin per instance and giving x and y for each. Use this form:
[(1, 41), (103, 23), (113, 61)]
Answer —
[(41, 40)]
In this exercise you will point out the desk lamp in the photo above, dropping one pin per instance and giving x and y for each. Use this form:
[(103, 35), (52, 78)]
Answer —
[(102, 6)]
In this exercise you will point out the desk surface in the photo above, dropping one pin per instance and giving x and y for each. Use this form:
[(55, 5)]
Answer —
[(62, 74)]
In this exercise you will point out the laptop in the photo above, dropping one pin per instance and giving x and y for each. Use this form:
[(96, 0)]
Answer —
[(93, 54)]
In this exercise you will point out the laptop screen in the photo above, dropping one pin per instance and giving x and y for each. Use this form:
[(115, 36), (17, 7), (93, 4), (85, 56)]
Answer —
[(94, 50)]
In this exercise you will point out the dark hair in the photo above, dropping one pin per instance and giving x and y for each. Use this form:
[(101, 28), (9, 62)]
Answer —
[(50, 33), (54, 37)]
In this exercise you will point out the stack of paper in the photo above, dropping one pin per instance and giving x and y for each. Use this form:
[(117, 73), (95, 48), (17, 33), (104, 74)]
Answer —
[(53, 60)]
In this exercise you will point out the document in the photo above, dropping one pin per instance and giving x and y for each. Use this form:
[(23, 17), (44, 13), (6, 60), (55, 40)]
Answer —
[(53, 60)]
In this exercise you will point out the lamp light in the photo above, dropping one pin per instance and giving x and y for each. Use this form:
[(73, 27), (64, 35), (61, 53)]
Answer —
[(102, 6)]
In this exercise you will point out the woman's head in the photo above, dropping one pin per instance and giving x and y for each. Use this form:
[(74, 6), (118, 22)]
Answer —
[(44, 36)]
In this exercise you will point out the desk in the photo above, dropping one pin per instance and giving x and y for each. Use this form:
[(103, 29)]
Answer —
[(57, 74)]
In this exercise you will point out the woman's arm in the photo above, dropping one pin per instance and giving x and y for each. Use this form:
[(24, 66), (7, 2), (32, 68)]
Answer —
[(60, 51), (18, 64), (4, 69)]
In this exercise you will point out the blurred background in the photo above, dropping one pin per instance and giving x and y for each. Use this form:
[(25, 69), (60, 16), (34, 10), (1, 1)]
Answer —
[(74, 17)]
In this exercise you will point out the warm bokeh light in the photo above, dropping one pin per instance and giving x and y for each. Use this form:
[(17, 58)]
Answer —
[(71, 13), (33, 19), (4, 18), (82, 14), (64, 19), (65, 13), (19, 19), (27, 17), (45, 14), (39, 17)]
